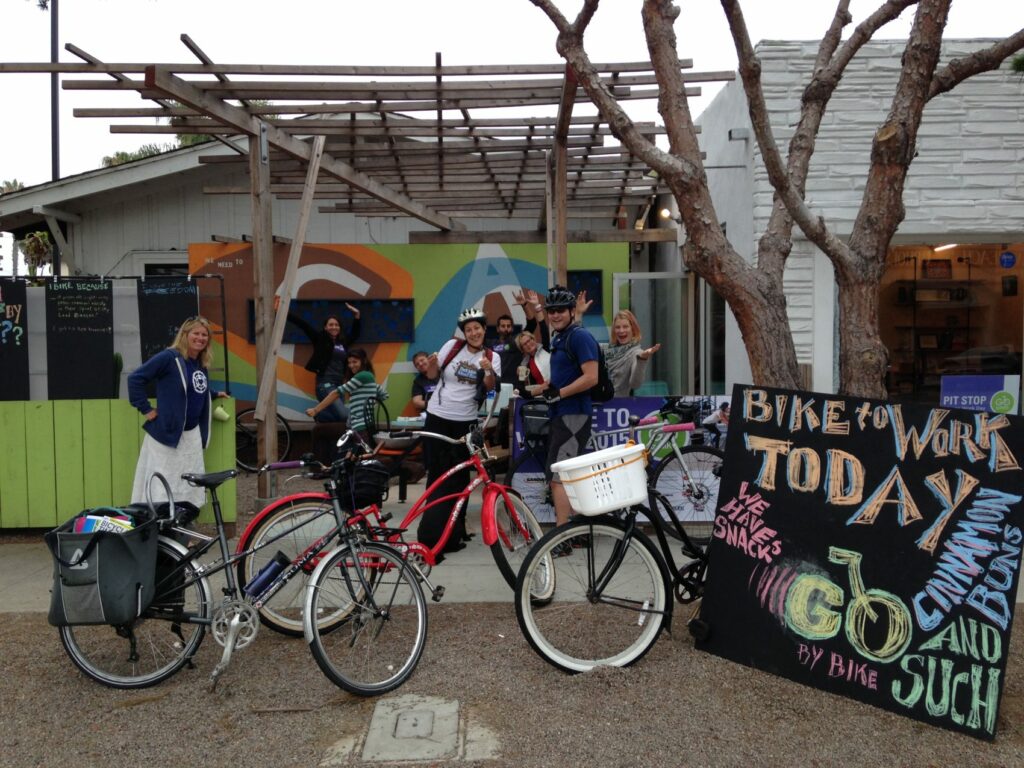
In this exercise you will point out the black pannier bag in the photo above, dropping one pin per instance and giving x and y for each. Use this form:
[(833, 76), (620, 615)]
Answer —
[(104, 576), (367, 484), (536, 422)]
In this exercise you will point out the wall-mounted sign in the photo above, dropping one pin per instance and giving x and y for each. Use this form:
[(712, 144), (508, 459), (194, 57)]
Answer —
[(80, 339), (1007, 259), (995, 393), (871, 549), (13, 341)]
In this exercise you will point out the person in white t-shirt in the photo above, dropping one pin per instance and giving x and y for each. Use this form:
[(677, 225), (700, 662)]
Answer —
[(467, 370)]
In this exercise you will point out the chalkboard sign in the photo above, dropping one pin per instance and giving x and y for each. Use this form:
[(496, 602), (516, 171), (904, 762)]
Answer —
[(164, 303), (381, 320), (871, 549), (80, 339), (13, 341)]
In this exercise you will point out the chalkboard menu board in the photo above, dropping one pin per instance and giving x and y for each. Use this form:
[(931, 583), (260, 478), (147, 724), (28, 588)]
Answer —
[(381, 320), (80, 339), (164, 303), (871, 549), (13, 341)]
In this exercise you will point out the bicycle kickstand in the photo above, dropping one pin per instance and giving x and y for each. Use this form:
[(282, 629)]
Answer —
[(229, 644)]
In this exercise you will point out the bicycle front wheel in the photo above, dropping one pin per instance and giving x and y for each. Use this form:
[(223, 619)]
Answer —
[(582, 627), (518, 530), (689, 481), (158, 643), (379, 639), (246, 449), (291, 529)]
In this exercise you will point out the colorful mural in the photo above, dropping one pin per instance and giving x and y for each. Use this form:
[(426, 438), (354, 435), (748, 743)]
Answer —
[(440, 279)]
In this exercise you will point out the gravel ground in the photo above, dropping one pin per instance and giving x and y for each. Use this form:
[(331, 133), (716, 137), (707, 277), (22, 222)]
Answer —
[(678, 706)]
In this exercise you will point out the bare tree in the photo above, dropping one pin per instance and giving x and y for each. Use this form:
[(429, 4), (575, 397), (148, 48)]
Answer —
[(754, 292)]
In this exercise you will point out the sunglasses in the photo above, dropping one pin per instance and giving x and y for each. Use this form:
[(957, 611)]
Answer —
[(556, 310)]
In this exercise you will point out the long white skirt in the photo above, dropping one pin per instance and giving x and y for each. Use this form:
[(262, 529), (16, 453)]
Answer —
[(171, 463)]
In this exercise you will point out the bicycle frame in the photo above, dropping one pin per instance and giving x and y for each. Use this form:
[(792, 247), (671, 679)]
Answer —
[(684, 582), (488, 524)]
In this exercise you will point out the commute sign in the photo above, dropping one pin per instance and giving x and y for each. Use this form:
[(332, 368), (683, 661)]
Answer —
[(871, 549)]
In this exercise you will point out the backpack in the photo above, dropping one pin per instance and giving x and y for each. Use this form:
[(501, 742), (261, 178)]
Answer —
[(481, 393), (604, 390), (456, 348)]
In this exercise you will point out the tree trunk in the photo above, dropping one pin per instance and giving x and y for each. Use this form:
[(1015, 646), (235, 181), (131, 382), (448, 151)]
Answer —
[(863, 358), (759, 306)]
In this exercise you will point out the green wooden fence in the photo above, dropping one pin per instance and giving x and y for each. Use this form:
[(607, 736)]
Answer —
[(58, 457)]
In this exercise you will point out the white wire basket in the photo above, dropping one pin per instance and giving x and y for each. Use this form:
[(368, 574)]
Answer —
[(613, 478)]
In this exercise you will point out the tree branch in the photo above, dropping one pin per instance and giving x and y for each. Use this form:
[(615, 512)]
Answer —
[(958, 70), (750, 73)]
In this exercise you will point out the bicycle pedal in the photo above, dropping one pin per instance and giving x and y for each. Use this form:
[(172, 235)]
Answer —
[(437, 593)]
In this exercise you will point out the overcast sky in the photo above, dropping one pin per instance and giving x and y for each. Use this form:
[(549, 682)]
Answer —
[(364, 33)]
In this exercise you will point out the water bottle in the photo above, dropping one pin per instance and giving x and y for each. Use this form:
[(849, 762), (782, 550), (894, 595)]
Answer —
[(267, 574)]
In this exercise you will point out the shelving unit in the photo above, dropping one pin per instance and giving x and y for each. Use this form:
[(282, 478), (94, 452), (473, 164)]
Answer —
[(935, 319)]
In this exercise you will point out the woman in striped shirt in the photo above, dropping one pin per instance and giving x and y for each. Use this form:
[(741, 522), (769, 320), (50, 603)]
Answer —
[(360, 390)]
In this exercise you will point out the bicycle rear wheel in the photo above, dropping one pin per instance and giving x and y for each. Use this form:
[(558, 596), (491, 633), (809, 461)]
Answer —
[(518, 530), (246, 453), (379, 639), (315, 519), (691, 488), (576, 631), (157, 644)]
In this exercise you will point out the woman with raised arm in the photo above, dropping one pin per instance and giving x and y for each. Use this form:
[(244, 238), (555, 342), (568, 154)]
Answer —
[(626, 359), (467, 371), (329, 359), (361, 390)]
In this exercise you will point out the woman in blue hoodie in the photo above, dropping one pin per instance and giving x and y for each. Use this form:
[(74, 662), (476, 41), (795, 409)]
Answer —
[(178, 429)]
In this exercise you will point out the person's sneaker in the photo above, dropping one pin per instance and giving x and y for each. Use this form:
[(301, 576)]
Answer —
[(561, 549)]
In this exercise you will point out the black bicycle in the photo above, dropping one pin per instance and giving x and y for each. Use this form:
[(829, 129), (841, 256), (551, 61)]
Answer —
[(246, 442), (609, 590)]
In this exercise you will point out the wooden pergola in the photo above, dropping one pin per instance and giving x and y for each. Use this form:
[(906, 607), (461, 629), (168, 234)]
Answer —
[(441, 144)]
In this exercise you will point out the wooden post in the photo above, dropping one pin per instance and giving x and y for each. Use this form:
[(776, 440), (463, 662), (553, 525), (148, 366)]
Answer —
[(269, 369), (263, 293)]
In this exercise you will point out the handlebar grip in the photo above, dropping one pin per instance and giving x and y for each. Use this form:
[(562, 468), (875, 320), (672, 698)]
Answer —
[(687, 427), (647, 420), (295, 464)]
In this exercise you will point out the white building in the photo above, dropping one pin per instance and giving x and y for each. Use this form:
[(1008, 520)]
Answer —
[(951, 310)]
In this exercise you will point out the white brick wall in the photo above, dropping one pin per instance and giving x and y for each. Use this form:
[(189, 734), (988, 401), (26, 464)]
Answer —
[(966, 183)]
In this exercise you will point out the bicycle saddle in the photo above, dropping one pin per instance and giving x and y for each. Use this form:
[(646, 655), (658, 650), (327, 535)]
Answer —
[(211, 479)]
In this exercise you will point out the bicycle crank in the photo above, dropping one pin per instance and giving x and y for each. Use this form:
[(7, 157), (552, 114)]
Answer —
[(689, 581), (235, 617)]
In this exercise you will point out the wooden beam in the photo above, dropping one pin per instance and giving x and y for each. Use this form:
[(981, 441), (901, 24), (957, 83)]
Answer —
[(658, 235), (263, 294), (268, 376), (159, 78)]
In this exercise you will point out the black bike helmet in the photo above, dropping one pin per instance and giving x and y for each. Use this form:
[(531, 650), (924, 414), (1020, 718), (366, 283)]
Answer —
[(560, 296), (472, 315)]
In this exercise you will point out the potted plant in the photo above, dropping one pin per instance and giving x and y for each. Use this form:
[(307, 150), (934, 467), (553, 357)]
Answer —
[(38, 250)]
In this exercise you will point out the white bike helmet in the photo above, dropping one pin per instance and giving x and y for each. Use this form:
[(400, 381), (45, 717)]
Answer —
[(472, 314)]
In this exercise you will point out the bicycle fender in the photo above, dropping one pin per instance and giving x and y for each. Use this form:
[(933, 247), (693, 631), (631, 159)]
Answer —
[(243, 540), (488, 523)]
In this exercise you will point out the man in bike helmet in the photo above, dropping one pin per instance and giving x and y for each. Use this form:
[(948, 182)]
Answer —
[(463, 368), (574, 356)]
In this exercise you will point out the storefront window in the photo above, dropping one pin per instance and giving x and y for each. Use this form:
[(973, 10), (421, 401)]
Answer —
[(950, 310)]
